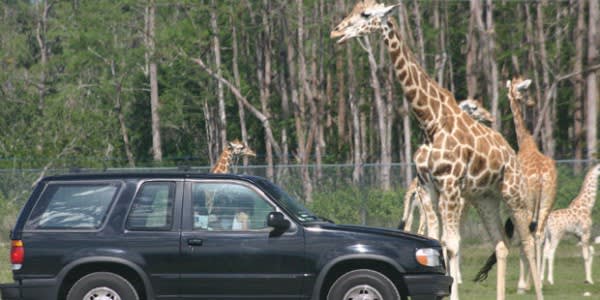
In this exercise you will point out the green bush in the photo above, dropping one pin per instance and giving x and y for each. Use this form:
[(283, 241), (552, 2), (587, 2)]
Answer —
[(354, 205)]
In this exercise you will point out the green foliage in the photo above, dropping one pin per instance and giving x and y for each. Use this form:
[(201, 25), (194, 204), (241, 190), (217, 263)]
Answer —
[(353, 205)]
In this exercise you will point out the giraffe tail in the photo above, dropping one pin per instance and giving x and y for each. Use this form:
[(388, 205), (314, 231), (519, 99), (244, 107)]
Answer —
[(402, 225), (482, 275)]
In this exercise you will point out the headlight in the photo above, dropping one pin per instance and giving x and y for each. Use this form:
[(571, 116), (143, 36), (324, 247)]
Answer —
[(428, 257)]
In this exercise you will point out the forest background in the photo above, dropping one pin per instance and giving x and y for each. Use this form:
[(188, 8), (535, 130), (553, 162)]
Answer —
[(157, 83)]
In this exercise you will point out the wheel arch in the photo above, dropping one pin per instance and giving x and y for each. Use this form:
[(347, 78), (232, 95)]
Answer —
[(126, 269), (344, 264)]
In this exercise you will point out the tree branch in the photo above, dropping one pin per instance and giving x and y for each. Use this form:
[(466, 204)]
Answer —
[(236, 92)]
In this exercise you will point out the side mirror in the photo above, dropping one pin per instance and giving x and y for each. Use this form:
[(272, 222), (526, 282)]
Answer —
[(276, 220)]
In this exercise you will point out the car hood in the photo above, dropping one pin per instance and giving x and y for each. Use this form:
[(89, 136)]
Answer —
[(375, 231)]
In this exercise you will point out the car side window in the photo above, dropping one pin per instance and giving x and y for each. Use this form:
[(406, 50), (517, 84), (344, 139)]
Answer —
[(228, 207), (152, 207), (64, 206)]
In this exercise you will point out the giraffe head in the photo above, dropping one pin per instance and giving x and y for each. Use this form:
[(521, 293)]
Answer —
[(476, 110), (517, 90), (366, 17), (237, 148)]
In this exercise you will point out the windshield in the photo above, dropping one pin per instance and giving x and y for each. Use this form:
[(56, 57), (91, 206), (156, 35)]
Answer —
[(290, 204)]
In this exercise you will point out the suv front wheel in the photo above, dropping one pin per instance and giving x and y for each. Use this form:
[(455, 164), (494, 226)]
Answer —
[(102, 285), (363, 284)]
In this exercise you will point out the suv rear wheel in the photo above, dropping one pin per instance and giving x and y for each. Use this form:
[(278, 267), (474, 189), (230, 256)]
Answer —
[(363, 284), (102, 285)]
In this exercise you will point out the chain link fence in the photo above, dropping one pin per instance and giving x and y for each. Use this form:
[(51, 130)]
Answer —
[(334, 191)]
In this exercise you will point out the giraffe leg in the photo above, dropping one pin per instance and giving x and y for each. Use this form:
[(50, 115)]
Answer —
[(428, 210), (489, 211), (450, 216), (551, 251), (588, 256), (422, 221), (521, 218), (450, 208), (545, 253), (524, 284)]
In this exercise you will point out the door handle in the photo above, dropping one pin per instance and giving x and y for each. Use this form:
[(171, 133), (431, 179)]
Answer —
[(194, 242)]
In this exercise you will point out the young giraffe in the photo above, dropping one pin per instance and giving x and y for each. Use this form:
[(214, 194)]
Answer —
[(234, 150), (462, 158), (576, 219), (539, 174), (476, 110), (416, 197)]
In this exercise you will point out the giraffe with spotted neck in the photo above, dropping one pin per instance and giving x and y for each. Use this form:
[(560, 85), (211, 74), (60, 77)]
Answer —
[(417, 198), (539, 173), (576, 219), (462, 159), (233, 150)]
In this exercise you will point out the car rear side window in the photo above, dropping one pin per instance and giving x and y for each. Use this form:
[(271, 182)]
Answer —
[(152, 207), (66, 206)]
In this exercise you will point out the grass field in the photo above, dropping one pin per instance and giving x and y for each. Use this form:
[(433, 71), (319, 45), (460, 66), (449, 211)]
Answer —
[(568, 275)]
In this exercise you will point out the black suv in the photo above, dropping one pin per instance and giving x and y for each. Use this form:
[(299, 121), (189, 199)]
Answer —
[(184, 235)]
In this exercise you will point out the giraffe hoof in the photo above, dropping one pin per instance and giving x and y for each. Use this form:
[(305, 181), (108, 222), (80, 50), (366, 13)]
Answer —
[(521, 291), (588, 282)]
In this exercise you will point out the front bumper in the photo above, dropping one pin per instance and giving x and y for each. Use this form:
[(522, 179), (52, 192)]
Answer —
[(428, 286), (29, 289)]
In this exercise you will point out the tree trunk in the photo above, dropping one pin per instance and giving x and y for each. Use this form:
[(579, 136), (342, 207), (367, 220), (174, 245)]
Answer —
[(305, 95), (578, 86), (264, 77), (222, 120), (548, 144), (491, 64), (591, 81), (385, 153), (237, 80), (40, 35), (154, 101), (473, 49)]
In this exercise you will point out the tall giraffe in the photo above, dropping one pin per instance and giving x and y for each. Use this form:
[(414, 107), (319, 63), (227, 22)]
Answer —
[(416, 197), (233, 150), (462, 159), (539, 174), (576, 219)]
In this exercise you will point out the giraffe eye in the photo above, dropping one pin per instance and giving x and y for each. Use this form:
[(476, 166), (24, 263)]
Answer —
[(365, 15)]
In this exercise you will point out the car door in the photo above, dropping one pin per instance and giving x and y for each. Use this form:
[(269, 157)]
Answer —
[(228, 252), (152, 233)]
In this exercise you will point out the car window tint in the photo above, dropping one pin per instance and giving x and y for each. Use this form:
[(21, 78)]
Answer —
[(228, 207), (152, 207), (73, 206)]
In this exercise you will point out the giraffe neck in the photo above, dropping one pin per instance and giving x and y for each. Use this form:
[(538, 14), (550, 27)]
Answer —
[(587, 196), (524, 138), (222, 165), (428, 100)]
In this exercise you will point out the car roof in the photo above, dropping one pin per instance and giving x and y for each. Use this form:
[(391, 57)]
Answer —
[(148, 174)]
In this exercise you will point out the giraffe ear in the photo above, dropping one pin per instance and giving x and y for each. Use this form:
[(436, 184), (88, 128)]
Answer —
[(524, 85), (379, 10), (508, 83)]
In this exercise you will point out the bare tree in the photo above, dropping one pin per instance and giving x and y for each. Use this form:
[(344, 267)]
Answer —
[(237, 79), (151, 63), (591, 81), (578, 85), (222, 120), (41, 31)]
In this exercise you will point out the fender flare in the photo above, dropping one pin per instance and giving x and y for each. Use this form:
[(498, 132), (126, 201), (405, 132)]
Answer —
[(325, 269), (107, 259)]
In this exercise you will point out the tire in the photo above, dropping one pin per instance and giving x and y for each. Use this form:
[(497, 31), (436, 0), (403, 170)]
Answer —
[(363, 284), (102, 285)]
